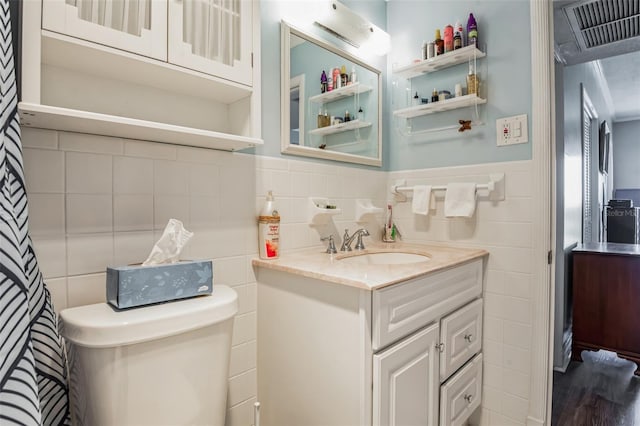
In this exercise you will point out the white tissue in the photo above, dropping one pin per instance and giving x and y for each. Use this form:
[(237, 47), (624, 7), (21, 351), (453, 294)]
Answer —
[(170, 244)]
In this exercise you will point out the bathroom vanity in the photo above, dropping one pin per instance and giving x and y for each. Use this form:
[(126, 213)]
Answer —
[(388, 336)]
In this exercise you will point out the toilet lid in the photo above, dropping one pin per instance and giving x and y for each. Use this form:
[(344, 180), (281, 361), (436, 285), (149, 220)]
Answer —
[(101, 325)]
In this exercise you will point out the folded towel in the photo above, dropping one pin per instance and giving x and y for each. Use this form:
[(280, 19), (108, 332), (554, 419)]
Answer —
[(460, 200), (421, 199)]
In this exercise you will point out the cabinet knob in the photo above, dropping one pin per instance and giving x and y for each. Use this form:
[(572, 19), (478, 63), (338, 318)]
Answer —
[(468, 337), (468, 397), (440, 347)]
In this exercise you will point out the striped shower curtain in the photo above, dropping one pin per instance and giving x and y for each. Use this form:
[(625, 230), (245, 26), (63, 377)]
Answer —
[(33, 387)]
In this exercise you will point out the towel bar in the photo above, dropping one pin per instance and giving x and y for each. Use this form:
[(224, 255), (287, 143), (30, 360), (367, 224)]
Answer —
[(495, 186)]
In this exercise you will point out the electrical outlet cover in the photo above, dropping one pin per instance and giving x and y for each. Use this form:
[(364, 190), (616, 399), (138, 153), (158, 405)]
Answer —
[(512, 130)]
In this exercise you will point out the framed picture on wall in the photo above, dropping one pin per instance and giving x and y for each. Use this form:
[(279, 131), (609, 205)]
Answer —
[(604, 137)]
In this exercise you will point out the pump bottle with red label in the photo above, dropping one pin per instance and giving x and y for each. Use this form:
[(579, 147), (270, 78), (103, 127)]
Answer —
[(269, 229)]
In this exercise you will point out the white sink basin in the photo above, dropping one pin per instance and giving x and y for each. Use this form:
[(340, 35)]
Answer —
[(386, 258)]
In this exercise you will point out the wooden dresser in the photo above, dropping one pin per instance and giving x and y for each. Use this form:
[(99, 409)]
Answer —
[(606, 299)]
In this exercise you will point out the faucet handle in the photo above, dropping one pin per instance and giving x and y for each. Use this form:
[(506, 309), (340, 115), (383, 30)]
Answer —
[(331, 248), (346, 243), (359, 243)]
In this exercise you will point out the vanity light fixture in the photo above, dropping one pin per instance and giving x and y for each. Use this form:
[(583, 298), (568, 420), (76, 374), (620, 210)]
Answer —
[(352, 28)]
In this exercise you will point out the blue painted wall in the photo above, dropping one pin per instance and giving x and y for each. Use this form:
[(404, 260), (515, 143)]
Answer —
[(504, 28)]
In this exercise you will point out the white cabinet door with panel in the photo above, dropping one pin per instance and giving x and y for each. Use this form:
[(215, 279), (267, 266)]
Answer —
[(405, 385), (212, 36), (136, 26)]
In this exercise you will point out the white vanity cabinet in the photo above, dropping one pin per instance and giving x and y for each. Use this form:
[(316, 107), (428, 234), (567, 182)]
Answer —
[(173, 71), (404, 354)]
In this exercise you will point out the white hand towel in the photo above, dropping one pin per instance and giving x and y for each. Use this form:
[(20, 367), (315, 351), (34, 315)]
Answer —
[(421, 199), (460, 200)]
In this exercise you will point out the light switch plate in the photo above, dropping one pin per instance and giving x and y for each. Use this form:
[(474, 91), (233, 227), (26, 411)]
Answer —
[(512, 130)]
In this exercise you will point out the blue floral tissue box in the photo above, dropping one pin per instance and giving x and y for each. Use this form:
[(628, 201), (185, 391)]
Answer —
[(131, 286)]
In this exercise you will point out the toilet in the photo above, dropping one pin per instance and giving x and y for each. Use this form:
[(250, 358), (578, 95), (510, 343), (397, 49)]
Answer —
[(163, 364)]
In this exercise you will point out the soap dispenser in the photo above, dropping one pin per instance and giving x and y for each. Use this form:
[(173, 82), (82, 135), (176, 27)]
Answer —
[(269, 229)]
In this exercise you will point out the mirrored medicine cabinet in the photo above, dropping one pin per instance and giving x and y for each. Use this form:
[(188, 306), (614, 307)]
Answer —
[(315, 122)]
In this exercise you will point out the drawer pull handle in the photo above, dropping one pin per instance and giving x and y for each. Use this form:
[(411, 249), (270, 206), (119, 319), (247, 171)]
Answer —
[(468, 398), (468, 337), (440, 347)]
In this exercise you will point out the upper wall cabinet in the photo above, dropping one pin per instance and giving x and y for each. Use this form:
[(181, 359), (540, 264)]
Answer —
[(174, 71), (134, 26), (212, 36)]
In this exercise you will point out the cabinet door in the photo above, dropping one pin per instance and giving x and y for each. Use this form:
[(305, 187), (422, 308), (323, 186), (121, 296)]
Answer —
[(137, 26), (212, 36), (405, 381), (461, 335)]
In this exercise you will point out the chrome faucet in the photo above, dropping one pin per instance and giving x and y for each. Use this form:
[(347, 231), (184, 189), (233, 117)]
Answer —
[(347, 240)]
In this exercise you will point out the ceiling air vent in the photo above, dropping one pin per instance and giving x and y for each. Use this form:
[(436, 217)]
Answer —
[(602, 22)]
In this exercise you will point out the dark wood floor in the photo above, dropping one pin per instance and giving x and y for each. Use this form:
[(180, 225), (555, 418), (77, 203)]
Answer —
[(601, 391)]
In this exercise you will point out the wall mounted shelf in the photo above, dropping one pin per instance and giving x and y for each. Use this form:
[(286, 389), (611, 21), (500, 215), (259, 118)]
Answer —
[(343, 92), (437, 63), (365, 209), (320, 215), (441, 106), (65, 119), (339, 128)]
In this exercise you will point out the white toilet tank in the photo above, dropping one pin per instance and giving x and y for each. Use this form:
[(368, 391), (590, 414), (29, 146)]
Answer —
[(157, 365)]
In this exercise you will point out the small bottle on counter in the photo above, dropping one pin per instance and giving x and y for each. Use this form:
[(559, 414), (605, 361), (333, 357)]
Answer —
[(347, 117), (416, 100), (269, 229), (323, 82)]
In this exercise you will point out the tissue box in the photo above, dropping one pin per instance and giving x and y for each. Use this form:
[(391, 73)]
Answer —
[(130, 286)]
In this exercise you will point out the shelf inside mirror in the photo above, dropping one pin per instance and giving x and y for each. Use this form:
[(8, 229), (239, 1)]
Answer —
[(440, 106), (437, 63), (339, 128), (343, 92)]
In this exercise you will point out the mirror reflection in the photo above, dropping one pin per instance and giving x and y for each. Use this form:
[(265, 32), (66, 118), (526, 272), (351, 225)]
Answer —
[(331, 101)]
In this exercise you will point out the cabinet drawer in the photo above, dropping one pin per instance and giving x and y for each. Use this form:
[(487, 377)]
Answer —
[(461, 337), (462, 394), (400, 309)]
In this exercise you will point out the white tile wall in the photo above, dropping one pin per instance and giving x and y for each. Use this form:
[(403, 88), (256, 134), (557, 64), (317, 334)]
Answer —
[(505, 230), (96, 201)]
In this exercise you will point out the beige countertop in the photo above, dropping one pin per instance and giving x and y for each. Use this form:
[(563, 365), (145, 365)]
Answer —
[(315, 263)]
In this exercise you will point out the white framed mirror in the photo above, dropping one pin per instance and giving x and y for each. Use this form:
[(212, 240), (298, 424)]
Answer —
[(339, 121)]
